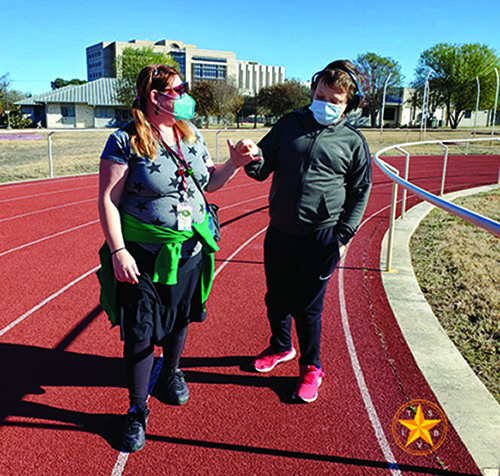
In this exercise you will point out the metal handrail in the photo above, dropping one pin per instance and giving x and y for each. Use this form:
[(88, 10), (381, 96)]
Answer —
[(392, 173)]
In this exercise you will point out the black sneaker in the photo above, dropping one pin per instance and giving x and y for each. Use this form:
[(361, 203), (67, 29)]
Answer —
[(134, 431), (176, 390)]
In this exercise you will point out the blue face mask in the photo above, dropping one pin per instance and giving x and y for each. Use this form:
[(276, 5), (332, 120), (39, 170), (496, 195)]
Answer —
[(325, 113), (183, 106)]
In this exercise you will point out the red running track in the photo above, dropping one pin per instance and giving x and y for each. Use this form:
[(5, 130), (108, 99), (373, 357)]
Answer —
[(63, 392)]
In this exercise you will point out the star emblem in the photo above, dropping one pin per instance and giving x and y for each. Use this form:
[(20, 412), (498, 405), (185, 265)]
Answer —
[(141, 206), (202, 208), (138, 186), (419, 427), (154, 168), (192, 150), (174, 182), (157, 222), (203, 180), (190, 193), (173, 210)]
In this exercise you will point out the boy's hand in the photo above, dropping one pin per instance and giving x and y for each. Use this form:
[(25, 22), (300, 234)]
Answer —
[(243, 152), (247, 146)]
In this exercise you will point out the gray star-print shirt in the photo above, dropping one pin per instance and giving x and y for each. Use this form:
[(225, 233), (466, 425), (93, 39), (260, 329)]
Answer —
[(153, 189)]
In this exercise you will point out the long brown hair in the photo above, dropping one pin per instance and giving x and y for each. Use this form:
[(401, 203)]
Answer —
[(144, 143)]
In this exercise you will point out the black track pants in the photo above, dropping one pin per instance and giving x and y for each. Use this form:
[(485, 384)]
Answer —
[(298, 269)]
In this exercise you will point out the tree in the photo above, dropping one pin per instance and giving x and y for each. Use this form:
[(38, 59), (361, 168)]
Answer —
[(203, 93), (374, 71), (61, 83), (128, 66), (453, 79), (227, 99), (280, 99), (8, 98), (250, 108)]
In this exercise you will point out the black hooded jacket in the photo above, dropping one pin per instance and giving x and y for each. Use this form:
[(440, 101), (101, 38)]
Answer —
[(321, 175)]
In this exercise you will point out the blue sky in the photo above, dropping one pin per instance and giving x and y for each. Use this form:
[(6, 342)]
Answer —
[(44, 40)]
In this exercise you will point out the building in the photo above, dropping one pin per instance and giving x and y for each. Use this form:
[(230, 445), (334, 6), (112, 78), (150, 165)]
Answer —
[(401, 111), (195, 64), (86, 106)]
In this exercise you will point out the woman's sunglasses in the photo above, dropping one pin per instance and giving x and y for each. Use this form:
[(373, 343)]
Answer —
[(183, 88)]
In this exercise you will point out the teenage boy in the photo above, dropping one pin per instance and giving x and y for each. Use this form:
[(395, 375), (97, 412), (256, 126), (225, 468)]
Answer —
[(321, 170)]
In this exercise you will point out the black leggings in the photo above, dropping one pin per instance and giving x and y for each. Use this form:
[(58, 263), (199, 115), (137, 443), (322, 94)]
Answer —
[(139, 359)]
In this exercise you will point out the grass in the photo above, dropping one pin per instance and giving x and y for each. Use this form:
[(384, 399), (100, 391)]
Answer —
[(78, 151), (458, 268)]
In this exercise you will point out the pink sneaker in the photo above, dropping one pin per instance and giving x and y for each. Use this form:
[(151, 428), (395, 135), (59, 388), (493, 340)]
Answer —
[(309, 381), (268, 359)]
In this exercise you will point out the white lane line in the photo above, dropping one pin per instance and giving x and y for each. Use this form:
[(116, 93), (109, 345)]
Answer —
[(48, 237), (119, 466), (122, 458), (226, 189), (48, 209), (365, 393), (13, 199), (48, 181), (94, 199), (244, 245), (46, 301), (245, 201)]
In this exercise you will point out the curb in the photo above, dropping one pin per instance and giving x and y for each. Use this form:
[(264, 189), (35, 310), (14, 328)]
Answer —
[(471, 409)]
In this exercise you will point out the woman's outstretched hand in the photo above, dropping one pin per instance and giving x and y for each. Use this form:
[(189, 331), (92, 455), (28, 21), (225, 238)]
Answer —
[(244, 152)]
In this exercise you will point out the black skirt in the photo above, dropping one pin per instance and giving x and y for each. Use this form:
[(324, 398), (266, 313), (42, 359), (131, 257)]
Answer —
[(151, 310)]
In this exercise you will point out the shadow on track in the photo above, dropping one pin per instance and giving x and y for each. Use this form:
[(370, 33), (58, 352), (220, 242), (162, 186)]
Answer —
[(283, 387), (244, 215), (353, 462), (27, 370)]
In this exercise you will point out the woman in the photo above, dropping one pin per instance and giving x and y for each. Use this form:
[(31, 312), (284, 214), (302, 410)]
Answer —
[(157, 262)]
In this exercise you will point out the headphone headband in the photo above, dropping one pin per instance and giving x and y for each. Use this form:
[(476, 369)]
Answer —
[(355, 101)]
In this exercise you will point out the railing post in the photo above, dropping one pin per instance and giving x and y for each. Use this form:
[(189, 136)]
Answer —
[(407, 171), (217, 144), (51, 166), (445, 166), (392, 224), (467, 144), (392, 220)]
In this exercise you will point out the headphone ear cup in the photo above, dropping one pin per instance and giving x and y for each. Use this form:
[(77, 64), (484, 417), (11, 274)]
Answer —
[(314, 84), (355, 101)]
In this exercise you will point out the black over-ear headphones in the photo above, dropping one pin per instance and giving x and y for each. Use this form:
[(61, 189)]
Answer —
[(355, 101)]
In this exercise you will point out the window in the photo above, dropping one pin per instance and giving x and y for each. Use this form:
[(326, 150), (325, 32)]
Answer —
[(102, 112), (204, 72), (468, 114), (67, 110), (209, 59), (389, 114), (122, 116)]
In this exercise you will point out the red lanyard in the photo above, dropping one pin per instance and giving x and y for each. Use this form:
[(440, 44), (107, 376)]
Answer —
[(183, 168)]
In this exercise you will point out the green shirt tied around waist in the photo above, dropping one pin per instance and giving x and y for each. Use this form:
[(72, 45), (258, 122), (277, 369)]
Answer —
[(167, 261)]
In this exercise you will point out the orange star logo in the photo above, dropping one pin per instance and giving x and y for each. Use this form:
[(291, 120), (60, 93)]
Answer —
[(419, 427), (414, 435)]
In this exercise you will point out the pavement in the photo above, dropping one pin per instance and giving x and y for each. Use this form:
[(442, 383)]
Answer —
[(472, 410)]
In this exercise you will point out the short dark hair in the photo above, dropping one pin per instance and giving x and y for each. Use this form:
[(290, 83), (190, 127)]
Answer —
[(343, 75)]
